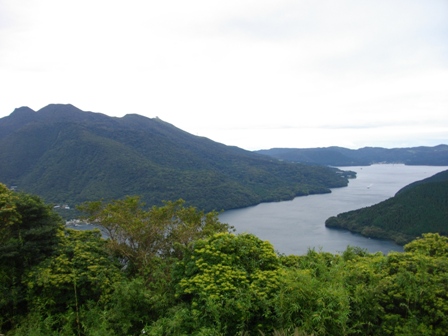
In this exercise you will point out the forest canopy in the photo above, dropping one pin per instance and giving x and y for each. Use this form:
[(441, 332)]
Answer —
[(175, 270)]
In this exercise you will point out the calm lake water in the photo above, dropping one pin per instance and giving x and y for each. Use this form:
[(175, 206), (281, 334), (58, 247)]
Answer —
[(297, 225)]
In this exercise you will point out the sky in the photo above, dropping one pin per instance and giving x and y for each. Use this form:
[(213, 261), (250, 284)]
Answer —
[(254, 74)]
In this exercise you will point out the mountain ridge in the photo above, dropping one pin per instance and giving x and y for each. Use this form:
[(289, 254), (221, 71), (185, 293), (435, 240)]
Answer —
[(64, 154), (340, 156)]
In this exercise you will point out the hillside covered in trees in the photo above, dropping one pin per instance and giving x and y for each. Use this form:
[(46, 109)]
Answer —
[(66, 155), (339, 156), (418, 208), (174, 270)]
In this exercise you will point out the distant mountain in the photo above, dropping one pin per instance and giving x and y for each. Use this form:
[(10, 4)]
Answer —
[(66, 155), (339, 156), (420, 207)]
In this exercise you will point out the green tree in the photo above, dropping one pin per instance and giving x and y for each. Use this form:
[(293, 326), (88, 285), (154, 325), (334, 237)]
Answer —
[(414, 289), (228, 280), (28, 235), (80, 271), (311, 295), (362, 277), (141, 237), (430, 244), (8, 212)]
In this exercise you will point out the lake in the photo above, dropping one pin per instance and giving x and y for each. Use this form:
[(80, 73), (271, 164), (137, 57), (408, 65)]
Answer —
[(297, 225)]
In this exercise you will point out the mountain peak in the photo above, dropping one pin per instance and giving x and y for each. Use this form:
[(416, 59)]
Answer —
[(66, 155), (70, 113), (22, 113), (59, 109), (23, 110), (19, 117)]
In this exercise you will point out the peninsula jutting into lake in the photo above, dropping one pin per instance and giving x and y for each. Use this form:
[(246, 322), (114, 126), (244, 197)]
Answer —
[(295, 226)]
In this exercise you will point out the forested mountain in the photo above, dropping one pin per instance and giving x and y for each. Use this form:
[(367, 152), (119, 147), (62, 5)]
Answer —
[(418, 208), (66, 155), (339, 156)]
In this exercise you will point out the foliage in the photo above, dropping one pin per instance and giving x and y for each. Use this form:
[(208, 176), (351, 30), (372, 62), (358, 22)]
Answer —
[(140, 237), (430, 244), (80, 270), (229, 281), (8, 212), (28, 229), (414, 295), (235, 285), (312, 297), (130, 306), (200, 279), (28, 235), (402, 293), (363, 274)]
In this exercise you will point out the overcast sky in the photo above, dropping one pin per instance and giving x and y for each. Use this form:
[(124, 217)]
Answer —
[(254, 74)]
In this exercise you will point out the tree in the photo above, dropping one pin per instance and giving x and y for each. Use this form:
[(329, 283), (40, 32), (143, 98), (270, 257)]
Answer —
[(8, 212), (414, 288), (229, 281), (311, 295), (80, 271), (363, 274), (141, 237), (430, 244), (28, 235)]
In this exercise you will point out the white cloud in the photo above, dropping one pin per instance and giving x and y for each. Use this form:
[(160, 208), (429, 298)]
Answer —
[(289, 73)]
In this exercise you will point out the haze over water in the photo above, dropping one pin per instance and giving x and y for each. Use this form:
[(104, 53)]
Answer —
[(297, 225)]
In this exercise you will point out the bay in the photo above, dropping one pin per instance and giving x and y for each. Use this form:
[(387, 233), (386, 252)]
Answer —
[(295, 226)]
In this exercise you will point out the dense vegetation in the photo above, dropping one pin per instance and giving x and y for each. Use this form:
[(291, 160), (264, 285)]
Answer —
[(174, 270), (420, 207), (339, 156), (68, 156)]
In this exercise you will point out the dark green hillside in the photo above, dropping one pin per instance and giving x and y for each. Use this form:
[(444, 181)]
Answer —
[(66, 155), (439, 177), (339, 156), (420, 207)]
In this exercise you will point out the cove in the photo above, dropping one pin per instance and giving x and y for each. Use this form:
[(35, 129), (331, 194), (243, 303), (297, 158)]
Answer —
[(295, 226)]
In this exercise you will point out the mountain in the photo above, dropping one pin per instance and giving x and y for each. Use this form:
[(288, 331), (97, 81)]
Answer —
[(339, 156), (420, 207), (66, 155)]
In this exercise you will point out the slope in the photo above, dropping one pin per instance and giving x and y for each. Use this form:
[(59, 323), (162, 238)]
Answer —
[(66, 155)]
